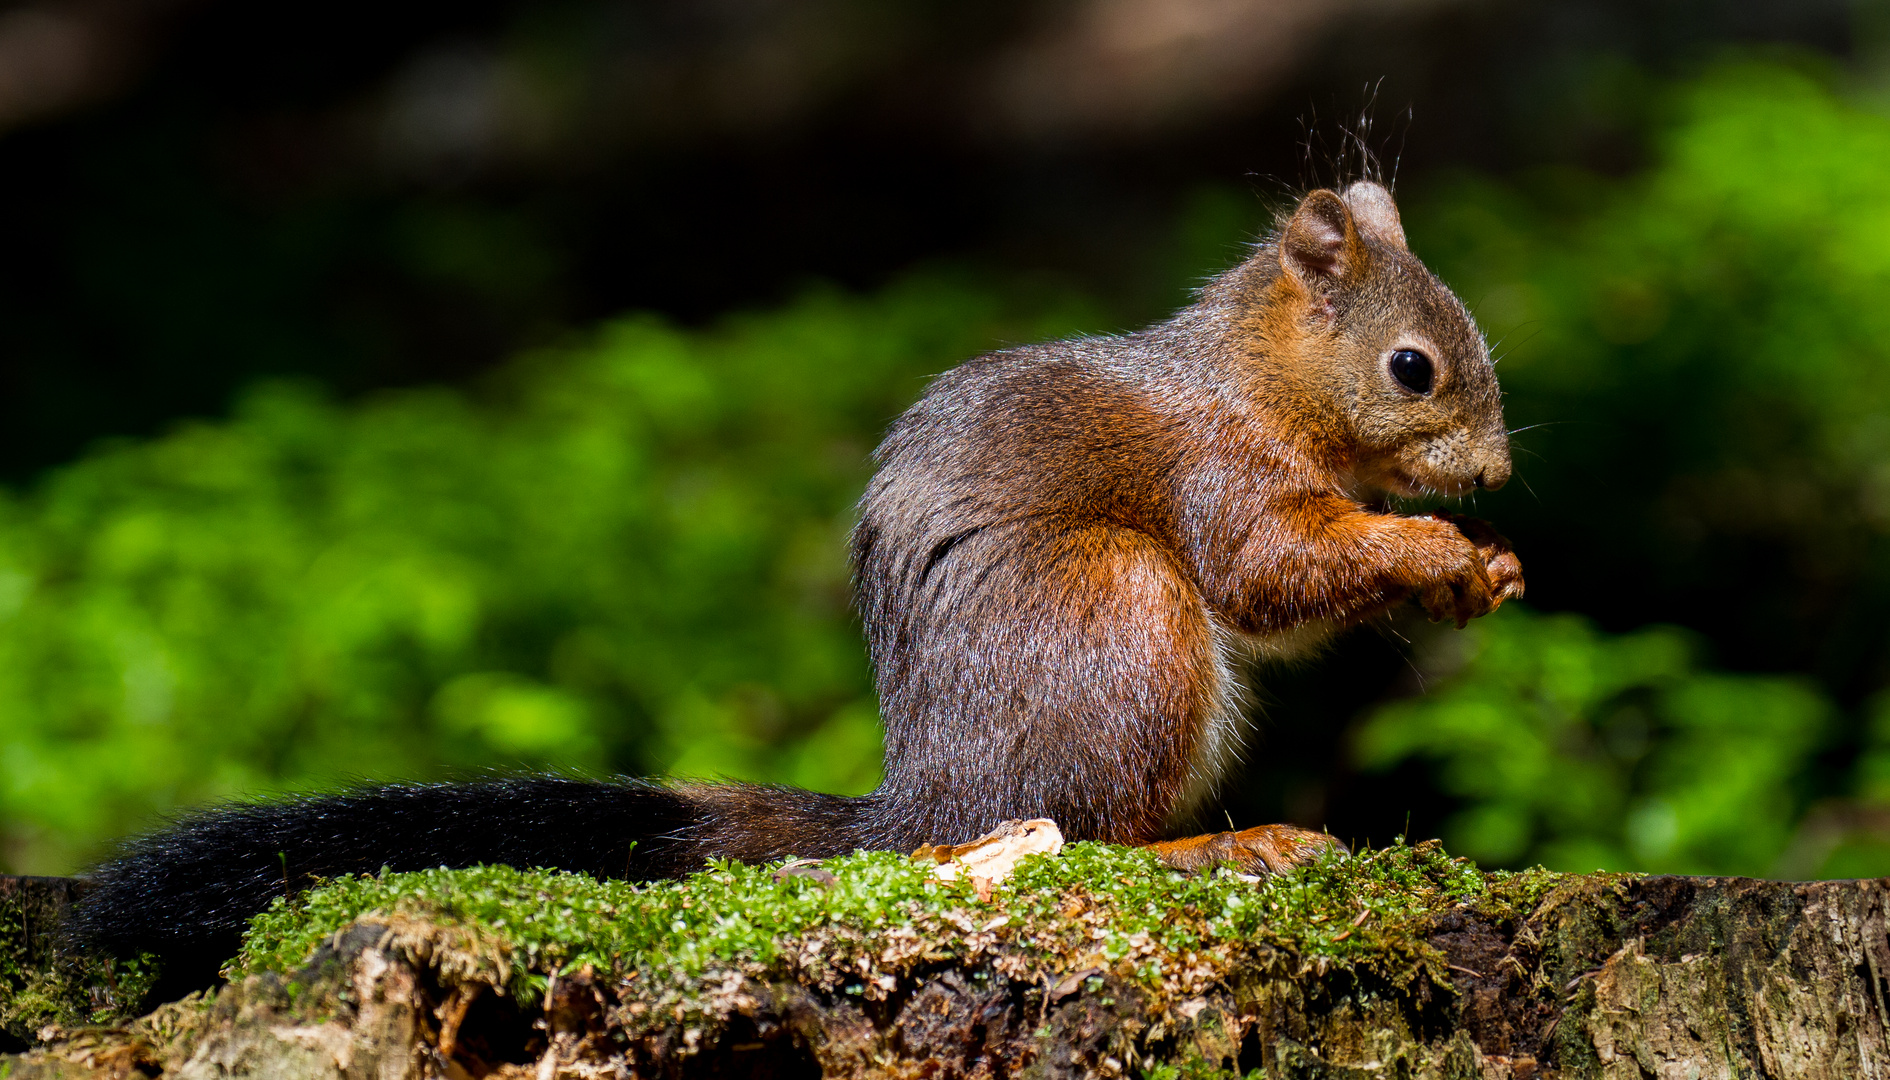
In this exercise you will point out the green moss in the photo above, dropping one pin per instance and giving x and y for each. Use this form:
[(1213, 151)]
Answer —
[(1094, 908), (42, 984), (1199, 1069)]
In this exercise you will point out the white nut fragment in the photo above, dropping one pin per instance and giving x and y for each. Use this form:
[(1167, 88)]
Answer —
[(994, 855)]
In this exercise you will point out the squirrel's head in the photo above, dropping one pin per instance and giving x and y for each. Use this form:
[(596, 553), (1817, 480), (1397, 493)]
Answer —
[(1386, 357)]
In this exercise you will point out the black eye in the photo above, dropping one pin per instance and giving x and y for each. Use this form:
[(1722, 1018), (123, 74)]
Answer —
[(1413, 369)]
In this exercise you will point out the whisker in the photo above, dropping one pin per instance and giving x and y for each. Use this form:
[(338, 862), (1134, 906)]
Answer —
[(1385, 627), (1538, 330), (1416, 671), (1410, 115), (1496, 357)]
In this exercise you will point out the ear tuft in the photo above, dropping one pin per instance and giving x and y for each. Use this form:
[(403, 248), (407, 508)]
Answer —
[(1375, 213), (1313, 245)]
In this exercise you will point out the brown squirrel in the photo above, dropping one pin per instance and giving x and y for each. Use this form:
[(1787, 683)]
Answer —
[(1059, 561)]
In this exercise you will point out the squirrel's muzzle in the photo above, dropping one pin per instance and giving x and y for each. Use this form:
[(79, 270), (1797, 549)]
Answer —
[(1492, 472)]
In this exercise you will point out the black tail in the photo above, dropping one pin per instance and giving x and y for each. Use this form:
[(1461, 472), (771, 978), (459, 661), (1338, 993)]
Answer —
[(187, 893)]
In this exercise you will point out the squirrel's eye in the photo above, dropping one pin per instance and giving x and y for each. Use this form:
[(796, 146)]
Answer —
[(1413, 369)]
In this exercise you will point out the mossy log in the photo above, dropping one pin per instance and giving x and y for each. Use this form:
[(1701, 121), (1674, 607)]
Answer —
[(45, 986), (1396, 964)]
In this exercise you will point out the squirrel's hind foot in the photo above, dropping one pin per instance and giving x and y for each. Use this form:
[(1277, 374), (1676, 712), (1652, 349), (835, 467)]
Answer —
[(1267, 849)]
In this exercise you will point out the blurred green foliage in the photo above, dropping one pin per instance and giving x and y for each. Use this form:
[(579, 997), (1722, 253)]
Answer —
[(626, 554), (1579, 749)]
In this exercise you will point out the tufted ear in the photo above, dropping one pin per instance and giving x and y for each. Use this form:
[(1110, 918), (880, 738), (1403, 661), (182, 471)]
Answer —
[(1318, 238), (1375, 214)]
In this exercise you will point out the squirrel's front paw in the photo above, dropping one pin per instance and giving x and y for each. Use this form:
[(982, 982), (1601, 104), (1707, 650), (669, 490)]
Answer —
[(1487, 574), (1462, 592), (1499, 559), (1267, 849)]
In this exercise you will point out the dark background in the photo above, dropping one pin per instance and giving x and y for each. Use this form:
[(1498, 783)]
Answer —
[(219, 191), (196, 195)]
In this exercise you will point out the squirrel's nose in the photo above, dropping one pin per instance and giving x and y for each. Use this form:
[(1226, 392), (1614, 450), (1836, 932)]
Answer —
[(1493, 476)]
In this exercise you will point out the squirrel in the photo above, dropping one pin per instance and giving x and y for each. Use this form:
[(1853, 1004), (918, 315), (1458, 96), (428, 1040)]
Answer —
[(1058, 562)]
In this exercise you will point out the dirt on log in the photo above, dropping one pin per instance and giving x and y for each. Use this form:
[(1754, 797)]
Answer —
[(1599, 976)]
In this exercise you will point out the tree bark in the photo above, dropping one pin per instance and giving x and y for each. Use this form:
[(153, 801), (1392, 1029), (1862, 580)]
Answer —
[(1629, 978)]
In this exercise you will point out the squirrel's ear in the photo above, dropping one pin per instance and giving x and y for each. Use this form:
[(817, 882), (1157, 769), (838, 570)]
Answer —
[(1375, 214), (1314, 243)]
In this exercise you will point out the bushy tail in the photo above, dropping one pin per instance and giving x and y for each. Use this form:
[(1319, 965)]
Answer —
[(187, 893)]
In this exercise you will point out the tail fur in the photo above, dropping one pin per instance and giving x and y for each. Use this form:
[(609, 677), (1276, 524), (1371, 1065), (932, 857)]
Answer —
[(187, 893)]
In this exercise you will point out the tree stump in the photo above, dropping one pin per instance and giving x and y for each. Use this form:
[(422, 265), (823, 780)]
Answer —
[(1611, 976)]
